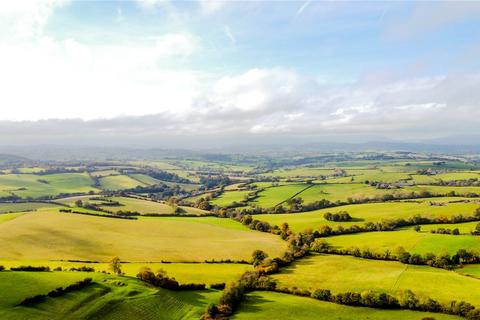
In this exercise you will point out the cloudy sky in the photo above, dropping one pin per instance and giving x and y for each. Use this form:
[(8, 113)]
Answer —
[(191, 73)]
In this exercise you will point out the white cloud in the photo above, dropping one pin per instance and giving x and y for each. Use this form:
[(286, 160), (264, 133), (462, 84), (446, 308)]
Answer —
[(211, 6), (25, 18), (175, 44)]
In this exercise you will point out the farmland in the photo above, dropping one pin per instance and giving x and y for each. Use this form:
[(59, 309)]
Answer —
[(211, 223), (267, 305)]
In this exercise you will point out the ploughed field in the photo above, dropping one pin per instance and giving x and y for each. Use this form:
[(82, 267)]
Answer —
[(204, 222)]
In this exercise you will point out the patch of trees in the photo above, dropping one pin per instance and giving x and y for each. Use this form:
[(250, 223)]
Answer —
[(98, 214), (474, 182), (390, 225), (210, 181), (446, 231), (2, 268), (31, 268), (339, 216), (444, 261), (162, 280), (56, 292), (234, 292), (476, 232)]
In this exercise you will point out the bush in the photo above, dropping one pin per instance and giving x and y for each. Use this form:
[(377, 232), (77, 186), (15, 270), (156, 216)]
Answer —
[(218, 286), (30, 268)]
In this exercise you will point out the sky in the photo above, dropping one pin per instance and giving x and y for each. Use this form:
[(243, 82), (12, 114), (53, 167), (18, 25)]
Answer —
[(211, 73)]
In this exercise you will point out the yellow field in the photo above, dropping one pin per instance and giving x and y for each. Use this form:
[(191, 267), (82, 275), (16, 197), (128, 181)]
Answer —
[(55, 236)]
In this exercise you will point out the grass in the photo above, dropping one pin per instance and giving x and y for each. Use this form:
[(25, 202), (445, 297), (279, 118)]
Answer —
[(417, 242), (108, 297), (56, 236), (35, 186), (119, 182), (272, 305), (4, 217), (207, 273), (371, 212), (228, 197), (272, 196), (345, 273), (130, 204), (341, 192), (24, 206)]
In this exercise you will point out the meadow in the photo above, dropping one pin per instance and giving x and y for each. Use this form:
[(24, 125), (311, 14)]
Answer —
[(212, 246), (373, 212), (55, 236), (345, 273), (412, 241), (108, 297), (272, 305), (36, 186)]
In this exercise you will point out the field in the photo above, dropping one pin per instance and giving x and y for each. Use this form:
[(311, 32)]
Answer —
[(211, 247), (344, 273), (24, 206), (56, 236), (229, 197), (273, 196), (109, 297), (412, 241), (184, 272), (271, 305), (119, 182), (373, 212), (35, 186)]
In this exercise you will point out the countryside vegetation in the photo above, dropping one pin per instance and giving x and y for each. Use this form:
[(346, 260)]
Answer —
[(384, 235)]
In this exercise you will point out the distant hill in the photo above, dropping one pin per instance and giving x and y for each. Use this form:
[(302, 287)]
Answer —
[(8, 159)]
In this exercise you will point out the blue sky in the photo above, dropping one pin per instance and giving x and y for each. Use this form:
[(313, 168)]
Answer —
[(399, 70)]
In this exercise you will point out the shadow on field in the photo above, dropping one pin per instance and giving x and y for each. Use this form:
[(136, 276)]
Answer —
[(253, 303)]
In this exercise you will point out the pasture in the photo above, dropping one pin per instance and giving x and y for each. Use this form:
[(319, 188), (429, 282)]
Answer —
[(119, 182), (24, 206), (372, 212), (57, 236), (272, 305), (273, 196), (345, 273), (207, 273), (412, 241), (108, 297), (229, 197), (35, 186)]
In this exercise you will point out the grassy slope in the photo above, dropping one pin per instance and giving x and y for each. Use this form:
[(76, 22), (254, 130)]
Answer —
[(272, 305), (229, 197), (48, 235), (344, 273), (4, 217), (274, 195), (24, 206), (57, 183), (370, 212), (104, 299), (119, 182), (207, 273), (418, 242)]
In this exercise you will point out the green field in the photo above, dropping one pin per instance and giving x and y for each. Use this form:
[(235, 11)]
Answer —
[(272, 305), (345, 273), (207, 273), (228, 197), (273, 196), (372, 212), (24, 206), (56, 236), (35, 186), (119, 182), (109, 297), (412, 241)]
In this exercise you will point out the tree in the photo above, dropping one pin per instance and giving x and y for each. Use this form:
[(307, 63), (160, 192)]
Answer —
[(258, 256), (417, 228), (115, 265)]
